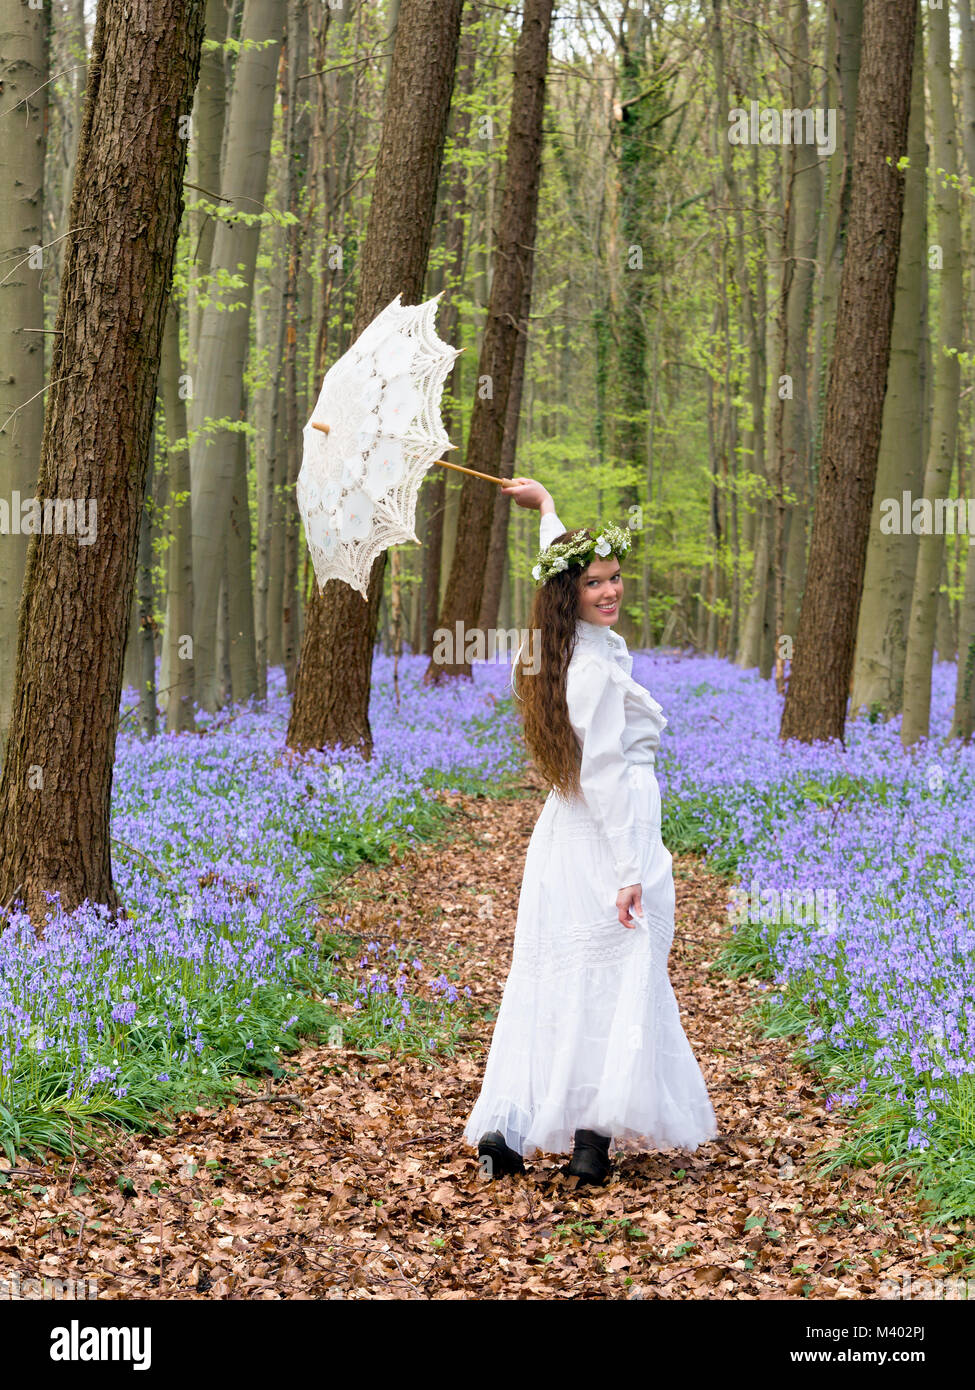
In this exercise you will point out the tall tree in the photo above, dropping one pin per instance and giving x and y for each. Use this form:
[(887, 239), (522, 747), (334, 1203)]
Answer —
[(331, 700), (805, 193), (55, 793), (296, 157), (23, 72), (878, 675), (225, 327), (433, 495), (209, 111), (508, 306), (815, 705), (947, 383), (963, 722), (642, 107), (178, 630)]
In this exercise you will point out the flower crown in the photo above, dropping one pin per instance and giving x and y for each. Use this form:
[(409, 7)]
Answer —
[(581, 550)]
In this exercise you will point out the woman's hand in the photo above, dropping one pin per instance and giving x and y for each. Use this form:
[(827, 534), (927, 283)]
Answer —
[(526, 492), (627, 899)]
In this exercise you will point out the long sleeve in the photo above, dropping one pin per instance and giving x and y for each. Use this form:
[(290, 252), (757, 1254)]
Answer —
[(548, 529), (597, 715)]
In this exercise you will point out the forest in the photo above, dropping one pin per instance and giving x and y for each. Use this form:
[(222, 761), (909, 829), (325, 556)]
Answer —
[(701, 270)]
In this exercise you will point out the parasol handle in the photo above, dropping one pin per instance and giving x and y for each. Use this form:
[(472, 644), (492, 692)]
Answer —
[(488, 477)]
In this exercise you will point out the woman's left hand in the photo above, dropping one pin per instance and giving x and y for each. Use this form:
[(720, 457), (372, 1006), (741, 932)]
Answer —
[(629, 900)]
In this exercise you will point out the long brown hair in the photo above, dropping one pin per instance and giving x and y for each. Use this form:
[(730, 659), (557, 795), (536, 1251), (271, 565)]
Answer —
[(549, 735)]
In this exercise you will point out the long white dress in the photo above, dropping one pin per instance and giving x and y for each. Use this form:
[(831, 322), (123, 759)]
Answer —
[(589, 1035)]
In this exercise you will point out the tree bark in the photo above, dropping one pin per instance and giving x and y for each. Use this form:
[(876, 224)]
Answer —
[(296, 157), (331, 700), (807, 196), (947, 383), (498, 547), (510, 292), (242, 649), (963, 720), (178, 630), (145, 607), (23, 70), (55, 793), (224, 329), (878, 675), (815, 705), (209, 111)]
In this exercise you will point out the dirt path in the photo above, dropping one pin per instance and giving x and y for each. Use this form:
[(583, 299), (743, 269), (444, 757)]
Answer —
[(360, 1186)]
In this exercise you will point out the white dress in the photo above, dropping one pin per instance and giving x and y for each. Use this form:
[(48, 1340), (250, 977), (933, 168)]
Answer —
[(589, 1035)]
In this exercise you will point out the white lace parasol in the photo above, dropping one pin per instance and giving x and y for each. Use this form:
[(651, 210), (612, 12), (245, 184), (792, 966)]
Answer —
[(374, 433)]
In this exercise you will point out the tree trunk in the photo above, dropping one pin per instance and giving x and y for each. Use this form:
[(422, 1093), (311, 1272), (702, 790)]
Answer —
[(224, 329), (815, 706), (125, 215), (240, 592), (178, 630), (963, 721), (434, 492), (73, 110), (498, 548), (510, 293), (146, 647), (23, 73), (878, 675), (845, 30), (806, 194), (331, 700), (947, 382), (296, 156), (209, 111)]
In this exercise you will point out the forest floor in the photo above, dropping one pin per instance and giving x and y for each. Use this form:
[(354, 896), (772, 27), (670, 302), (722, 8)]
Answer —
[(347, 1177)]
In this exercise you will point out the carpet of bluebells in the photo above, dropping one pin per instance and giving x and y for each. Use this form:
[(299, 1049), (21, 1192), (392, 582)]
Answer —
[(856, 900), (858, 864), (222, 839)]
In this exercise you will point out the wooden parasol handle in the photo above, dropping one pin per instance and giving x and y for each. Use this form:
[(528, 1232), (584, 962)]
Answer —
[(488, 477)]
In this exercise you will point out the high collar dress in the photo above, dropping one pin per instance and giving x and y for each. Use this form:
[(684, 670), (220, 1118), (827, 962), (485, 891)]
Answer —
[(589, 1035)]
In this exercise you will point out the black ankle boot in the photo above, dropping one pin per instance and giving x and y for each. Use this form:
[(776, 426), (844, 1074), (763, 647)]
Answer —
[(502, 1161), (590, 1157)]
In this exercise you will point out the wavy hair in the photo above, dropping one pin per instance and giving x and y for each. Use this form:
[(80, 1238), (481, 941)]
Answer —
[(549, 735)]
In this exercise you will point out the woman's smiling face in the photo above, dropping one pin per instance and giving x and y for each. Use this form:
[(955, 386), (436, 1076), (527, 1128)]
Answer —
[(601, 592)]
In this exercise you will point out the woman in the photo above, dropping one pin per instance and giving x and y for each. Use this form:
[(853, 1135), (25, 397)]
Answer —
[(588, 1046)]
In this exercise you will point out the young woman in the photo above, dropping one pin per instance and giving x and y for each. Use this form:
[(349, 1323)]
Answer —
[(588, 1047)]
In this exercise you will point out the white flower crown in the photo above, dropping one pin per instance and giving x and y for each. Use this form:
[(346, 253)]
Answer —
[(581, 551)]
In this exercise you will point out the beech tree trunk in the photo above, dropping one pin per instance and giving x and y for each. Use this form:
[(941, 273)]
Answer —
[(24, 101), (331, 699), (297, 120), (963, 721), (815, 705), (878, 675), (177, 684), (510, 298), (55, 793), (947, 381), (225, 326)]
